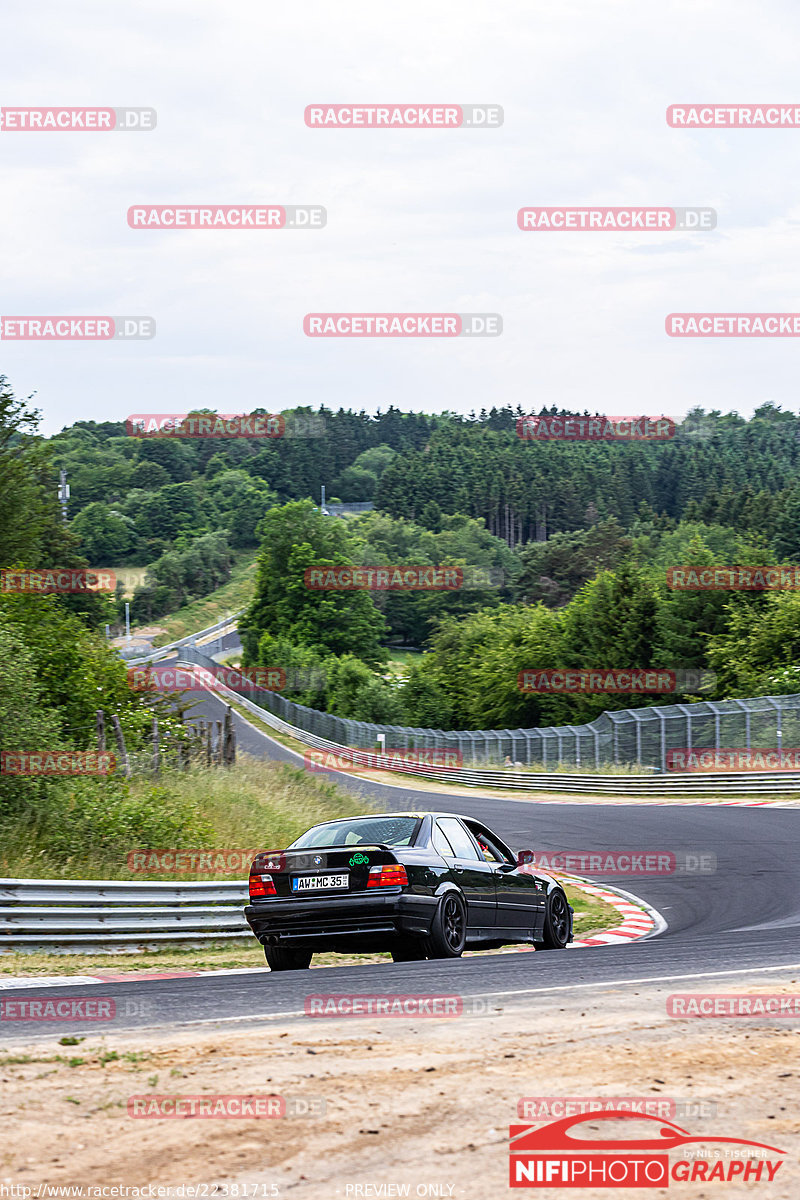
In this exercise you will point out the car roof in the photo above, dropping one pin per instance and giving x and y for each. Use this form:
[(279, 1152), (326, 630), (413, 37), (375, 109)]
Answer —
[(416, 815)]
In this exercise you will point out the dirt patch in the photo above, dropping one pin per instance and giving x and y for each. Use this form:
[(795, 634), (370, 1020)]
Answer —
[(417, 1104)]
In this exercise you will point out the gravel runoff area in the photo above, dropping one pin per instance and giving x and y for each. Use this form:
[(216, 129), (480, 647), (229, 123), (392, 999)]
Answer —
[(393, 1106)]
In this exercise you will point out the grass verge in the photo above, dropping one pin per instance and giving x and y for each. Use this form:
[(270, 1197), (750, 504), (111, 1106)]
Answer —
[(254, 804), (233, 595)]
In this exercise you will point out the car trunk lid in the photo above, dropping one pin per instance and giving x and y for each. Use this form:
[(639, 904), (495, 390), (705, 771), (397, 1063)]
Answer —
[(324, 870)]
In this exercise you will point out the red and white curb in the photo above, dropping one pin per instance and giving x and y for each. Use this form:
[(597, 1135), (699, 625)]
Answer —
[(639, 920)]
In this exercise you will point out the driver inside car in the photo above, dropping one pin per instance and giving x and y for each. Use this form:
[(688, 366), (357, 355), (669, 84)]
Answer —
[(486, 849)]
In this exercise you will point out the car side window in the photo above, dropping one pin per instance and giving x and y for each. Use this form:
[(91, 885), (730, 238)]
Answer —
[(458, 838), (440, 843), (493, 851)]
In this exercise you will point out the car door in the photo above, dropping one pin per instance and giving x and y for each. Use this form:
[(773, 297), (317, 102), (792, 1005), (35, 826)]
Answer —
[(520, 894), (473, 875)]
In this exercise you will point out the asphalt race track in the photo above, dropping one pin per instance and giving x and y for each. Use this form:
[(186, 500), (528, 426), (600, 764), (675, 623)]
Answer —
[(742, 918)]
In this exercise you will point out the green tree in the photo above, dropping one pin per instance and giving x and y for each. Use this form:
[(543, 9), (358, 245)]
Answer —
[(787, 529), (76, 671), (27, 721), (31, 532), (355, 691), (293, 537), (106, 536)]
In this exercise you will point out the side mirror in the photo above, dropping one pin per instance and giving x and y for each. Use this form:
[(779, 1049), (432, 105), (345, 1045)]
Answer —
[(524, 858)]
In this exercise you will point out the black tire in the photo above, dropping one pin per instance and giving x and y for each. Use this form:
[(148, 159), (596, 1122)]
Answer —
[(408, 949), (556, 922), (279, 958), (449, 928)]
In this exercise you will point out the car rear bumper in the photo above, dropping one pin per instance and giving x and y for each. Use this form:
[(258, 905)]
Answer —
[(306, 922)]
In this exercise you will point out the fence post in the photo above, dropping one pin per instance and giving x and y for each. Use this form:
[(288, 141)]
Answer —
[(156, 748), (123, 754), (218, 747), (229, 755)]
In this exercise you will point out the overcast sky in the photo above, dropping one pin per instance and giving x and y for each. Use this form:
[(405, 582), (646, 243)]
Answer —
[(417, 220)]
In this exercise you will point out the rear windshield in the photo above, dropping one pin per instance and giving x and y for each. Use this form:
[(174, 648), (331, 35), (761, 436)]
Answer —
[(385, 831)]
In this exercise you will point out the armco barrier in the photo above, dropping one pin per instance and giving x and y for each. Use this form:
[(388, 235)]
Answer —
[(669, 787), (191, 639), (72, 914)]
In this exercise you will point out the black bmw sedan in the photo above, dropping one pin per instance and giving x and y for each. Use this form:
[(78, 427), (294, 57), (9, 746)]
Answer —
[(420, 885)]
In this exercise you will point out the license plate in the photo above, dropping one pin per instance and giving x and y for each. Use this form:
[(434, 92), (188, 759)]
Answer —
[(310, 883)]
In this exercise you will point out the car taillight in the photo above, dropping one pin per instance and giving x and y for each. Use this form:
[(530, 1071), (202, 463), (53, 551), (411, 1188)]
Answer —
[(262, 885), (393, 876)]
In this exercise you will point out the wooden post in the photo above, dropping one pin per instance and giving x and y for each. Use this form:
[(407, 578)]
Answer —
[(156, 753), (101, 731), (123, 754), (207, 729), (230, 738), (218, 746)]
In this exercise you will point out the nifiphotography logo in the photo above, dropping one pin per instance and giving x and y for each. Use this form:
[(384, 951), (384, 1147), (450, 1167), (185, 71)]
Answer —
[(552, 1155)]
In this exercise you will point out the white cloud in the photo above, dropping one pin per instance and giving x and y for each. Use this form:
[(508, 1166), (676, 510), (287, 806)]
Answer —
[(417, 220)]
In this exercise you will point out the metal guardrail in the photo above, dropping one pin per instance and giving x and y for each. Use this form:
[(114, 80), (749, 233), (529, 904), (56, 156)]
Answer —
[(191, 639), (69, 914), (669, 786)]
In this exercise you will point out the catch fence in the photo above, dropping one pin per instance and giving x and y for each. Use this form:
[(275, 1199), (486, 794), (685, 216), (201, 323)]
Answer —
[(641, 737)]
